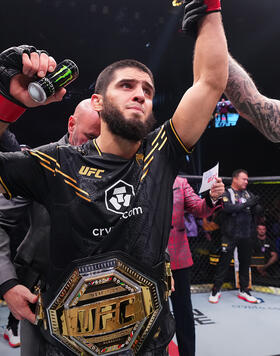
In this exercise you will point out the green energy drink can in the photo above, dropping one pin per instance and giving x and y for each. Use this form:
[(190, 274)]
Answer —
[(64, 73)]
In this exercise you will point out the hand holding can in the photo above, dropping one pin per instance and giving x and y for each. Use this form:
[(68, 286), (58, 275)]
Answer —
[(65, 73)]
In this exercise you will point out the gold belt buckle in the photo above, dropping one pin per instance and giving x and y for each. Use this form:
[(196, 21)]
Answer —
[(103, 308), (168, 282), (39, 310)]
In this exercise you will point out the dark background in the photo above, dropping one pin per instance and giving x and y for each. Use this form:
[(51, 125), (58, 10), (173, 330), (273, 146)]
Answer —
[(96, 33)]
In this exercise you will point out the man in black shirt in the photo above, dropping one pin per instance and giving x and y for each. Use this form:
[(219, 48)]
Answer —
[(115, 193), (238, 229), (265, 247)]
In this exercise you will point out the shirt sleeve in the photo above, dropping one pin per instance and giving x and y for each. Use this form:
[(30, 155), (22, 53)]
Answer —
[(166, 140), (7, 269), (176, 140), (23, 173), (194, 204)]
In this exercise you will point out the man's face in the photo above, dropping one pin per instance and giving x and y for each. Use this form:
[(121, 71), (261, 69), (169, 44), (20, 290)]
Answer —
[(261, 230), (127, 104), (84, 129), (241, 181)]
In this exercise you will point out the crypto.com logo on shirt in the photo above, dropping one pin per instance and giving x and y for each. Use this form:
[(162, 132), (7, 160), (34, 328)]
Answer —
[(118, 198)]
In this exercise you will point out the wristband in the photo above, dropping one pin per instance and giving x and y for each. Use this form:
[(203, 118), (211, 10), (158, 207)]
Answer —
[(9, 111), (213, 5), (9, 284)]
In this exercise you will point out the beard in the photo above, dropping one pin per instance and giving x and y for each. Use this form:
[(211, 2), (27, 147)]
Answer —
[(131, 129)]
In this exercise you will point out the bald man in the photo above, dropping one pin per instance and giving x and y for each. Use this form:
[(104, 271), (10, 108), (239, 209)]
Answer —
[(83, 125)]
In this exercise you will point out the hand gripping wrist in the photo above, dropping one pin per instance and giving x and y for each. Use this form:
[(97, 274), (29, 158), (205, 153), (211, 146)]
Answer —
[(213, 5)]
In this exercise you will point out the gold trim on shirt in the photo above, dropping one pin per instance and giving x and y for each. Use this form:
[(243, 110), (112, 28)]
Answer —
[(45, 155), (144, 175), (47, 167), (148, 155), (163, 143), (178, 138), (74, 186), (65, 175), (97, 148), (157, 136), (147, 164), (5, 187), (81, 196)]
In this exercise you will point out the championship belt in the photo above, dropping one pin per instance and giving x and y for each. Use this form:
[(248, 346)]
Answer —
[(102, 307)]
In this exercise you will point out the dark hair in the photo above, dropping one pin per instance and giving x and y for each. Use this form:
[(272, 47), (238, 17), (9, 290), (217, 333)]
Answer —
[(238, 171), (105, 77)]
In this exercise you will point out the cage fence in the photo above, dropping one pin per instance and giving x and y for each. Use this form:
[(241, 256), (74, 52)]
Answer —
[(205, 245)]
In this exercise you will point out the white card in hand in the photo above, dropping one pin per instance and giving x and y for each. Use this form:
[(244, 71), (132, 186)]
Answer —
[(208, 178)]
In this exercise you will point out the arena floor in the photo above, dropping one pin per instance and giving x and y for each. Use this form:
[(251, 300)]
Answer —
[(235, 327), (231, 327)]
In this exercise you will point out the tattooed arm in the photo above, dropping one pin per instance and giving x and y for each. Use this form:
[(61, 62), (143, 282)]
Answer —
[(262, 112)]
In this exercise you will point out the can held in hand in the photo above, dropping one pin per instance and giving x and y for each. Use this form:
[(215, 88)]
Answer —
[(64, 73)]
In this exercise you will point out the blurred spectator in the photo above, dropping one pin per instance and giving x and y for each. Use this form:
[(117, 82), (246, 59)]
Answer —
[(222, 110), (264, 247)]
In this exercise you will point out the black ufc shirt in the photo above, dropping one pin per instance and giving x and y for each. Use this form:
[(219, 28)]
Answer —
[(264, 248), (100, 202)]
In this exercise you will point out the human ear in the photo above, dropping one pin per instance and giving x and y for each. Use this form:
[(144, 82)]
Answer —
[(97, 102)]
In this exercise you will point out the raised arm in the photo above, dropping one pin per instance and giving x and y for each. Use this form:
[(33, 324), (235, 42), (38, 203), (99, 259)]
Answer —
[(210, 67), (260, 111)]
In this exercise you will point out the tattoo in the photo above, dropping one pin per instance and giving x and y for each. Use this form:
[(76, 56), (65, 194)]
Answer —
[(262, 112)]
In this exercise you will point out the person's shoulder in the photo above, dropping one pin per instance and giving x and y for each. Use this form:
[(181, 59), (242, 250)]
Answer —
[(181, 182), (226, 195), (47, 152), (85, 148), (64, 140), (46, 147)]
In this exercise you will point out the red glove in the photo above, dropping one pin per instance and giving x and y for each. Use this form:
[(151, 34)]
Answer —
[(213, 5), (9, 111)]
